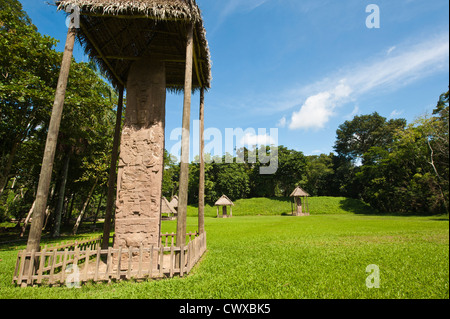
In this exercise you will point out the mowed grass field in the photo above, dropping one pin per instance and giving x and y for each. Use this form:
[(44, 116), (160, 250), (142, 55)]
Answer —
[(324, 255)]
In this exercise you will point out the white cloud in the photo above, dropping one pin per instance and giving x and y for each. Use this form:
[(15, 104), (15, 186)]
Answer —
[(250, 139), (232, 6), (395, 114), (282, 122), (317, 109), (353, 113), (390, 50), (406, 64)]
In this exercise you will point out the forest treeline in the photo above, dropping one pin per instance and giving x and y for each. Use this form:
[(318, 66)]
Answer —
[(390, 164), (393, 166)]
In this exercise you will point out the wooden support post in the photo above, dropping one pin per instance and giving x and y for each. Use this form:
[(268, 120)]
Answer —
[(184, 168), (34, 238), (112, 172), (201, 182)]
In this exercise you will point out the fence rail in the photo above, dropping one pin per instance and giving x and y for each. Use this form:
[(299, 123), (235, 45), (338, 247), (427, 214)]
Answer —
[(53, 266)]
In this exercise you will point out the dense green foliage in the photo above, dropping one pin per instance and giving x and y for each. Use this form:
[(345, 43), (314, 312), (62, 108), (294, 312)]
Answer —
[(29, 66), (407, 172)]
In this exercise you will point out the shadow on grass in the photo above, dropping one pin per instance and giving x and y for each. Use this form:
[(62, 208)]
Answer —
[(357, 206), (10, 240)]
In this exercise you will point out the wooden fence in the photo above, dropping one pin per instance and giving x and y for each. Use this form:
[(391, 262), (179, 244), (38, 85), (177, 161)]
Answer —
[(61, 265)]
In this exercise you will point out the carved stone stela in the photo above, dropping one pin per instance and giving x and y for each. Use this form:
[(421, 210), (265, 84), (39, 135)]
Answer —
[(140, 172)]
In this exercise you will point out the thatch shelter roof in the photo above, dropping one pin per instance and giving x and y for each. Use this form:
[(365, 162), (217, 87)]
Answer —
[(166, 207), (114, 33), (174, 201), (299, 192), (224, 201)]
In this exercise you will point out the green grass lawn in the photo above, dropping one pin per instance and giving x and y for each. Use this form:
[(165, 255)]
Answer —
[(324, 255)]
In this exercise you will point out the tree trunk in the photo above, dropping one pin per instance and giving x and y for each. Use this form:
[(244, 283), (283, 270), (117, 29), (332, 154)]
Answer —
[(69, 211), (34, 238), (61, 196), (201, 182), (83, 210), (98, 207), (112, 173), (437, 175), (27, 220), (184, 166), (47, 209), (6, 170)]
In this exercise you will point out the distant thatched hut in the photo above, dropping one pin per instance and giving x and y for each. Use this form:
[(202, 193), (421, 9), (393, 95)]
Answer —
[(224, 201), (174, 201), (300, 196), (168, 212)]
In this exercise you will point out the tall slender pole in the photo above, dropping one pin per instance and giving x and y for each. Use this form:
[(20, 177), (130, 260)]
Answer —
[(34, 238), (112, 172), (184, 168), (201, 182)]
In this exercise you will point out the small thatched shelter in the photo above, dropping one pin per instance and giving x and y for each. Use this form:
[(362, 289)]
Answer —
[(168, 212), (300, 196), (174, 201), (224, 201)]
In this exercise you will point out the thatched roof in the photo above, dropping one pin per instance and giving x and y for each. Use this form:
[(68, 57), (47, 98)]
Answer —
[(174, 201), (224, 201), (166, 207), (115, 33), (299, 192)]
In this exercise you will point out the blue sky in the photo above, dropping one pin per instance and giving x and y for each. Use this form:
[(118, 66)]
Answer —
[(304, 67)]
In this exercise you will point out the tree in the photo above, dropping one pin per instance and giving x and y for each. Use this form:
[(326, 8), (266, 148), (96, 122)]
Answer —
[(29, 67), (411, 174), (170, 176), (353, 141), (291, 169), (319, 171), (232, 180), (354, 138)]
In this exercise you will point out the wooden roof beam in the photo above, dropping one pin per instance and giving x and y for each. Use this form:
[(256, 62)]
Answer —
[(91, 40)]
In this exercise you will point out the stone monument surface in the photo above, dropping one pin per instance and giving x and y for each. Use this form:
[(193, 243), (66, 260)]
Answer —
[(140, 169)]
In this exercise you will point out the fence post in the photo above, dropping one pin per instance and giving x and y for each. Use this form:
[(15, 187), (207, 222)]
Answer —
[(63, 269), (86, 263), (97, 265), (31, 268), (182, 261), (150, 268), (161, 261), (130, 254)]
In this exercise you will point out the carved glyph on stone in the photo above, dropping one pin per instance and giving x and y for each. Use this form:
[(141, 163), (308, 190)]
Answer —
[(141, 157)]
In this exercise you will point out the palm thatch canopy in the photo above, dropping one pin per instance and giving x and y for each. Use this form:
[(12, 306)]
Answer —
[(224, 201), (115, 33), (299, 192)]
